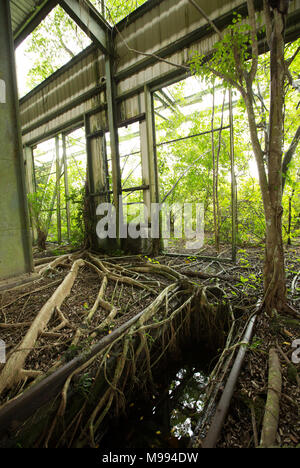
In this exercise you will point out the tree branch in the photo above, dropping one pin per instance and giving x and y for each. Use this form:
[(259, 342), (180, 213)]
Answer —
[(146, 54), (291, 59), (258, 152), (227, 78), (289, 76), (181, 177), (202, 12), (289, 156)]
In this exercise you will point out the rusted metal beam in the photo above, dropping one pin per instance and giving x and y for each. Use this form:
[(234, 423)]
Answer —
[(33, 21), (90, 20)]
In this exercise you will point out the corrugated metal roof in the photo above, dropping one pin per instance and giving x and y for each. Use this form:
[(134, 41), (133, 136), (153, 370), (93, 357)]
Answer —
[(26, 14), (171, 30)]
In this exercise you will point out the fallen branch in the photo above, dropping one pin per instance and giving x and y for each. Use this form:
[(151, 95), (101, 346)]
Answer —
[(271, 417)]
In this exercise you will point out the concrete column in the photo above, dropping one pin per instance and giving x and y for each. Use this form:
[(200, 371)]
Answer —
[(15, 239), (150, 147), (149, 163), (114, 140), (97, 177), (145, 166), (30, 184)]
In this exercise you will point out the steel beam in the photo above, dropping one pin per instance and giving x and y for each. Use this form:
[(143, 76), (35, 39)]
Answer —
[(90, 20), (66, 180), (33, 21), (114, 138), (58, 195), (15, 238)]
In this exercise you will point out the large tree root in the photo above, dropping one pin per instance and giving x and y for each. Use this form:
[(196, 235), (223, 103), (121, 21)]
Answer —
[(12, 371), (133, 357), (102, 271)]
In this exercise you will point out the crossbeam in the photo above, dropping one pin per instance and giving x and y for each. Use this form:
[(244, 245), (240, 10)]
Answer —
[(38, 15), (90, 21)]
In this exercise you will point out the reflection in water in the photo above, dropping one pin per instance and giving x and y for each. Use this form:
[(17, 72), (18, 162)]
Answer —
[(186, 396), (167, 418)]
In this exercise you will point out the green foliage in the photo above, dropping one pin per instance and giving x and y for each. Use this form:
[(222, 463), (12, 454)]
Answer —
[(84, 384), (50, 47), (231, 61), (77, 197), (235, 41), (116, 10)]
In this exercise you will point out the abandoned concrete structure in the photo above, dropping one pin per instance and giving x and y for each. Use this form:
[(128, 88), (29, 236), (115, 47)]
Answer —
[(107, 86)]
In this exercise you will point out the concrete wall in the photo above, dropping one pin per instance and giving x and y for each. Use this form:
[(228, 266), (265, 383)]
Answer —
[(15, 249)]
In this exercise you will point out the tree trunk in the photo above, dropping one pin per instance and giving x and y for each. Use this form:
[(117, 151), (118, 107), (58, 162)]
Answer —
[(271, 181), (274, 274), (274, 268)]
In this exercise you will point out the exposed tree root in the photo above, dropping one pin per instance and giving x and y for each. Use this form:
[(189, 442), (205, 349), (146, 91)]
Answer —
[(42, 269), (102, 271), (12, 371), (164, 320), (5, 306), (98, 300)]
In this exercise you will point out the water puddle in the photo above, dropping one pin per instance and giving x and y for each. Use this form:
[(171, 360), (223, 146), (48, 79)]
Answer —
[(166, 418)]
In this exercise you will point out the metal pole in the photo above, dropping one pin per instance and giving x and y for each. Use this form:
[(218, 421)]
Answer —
[(223, 406), (67, 193), (58, 170)]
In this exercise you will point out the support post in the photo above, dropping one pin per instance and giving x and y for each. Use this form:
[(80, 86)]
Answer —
[(149, 163), (114, 141), (66, 180), (151, 147), (15, 239), (97, 178), (58, 174), (145, 167), (30, 184)]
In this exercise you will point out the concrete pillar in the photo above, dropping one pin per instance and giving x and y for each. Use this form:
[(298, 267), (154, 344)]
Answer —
[(149, 165), (114, 141), (15, 239), (30, 185), (97, 177)]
